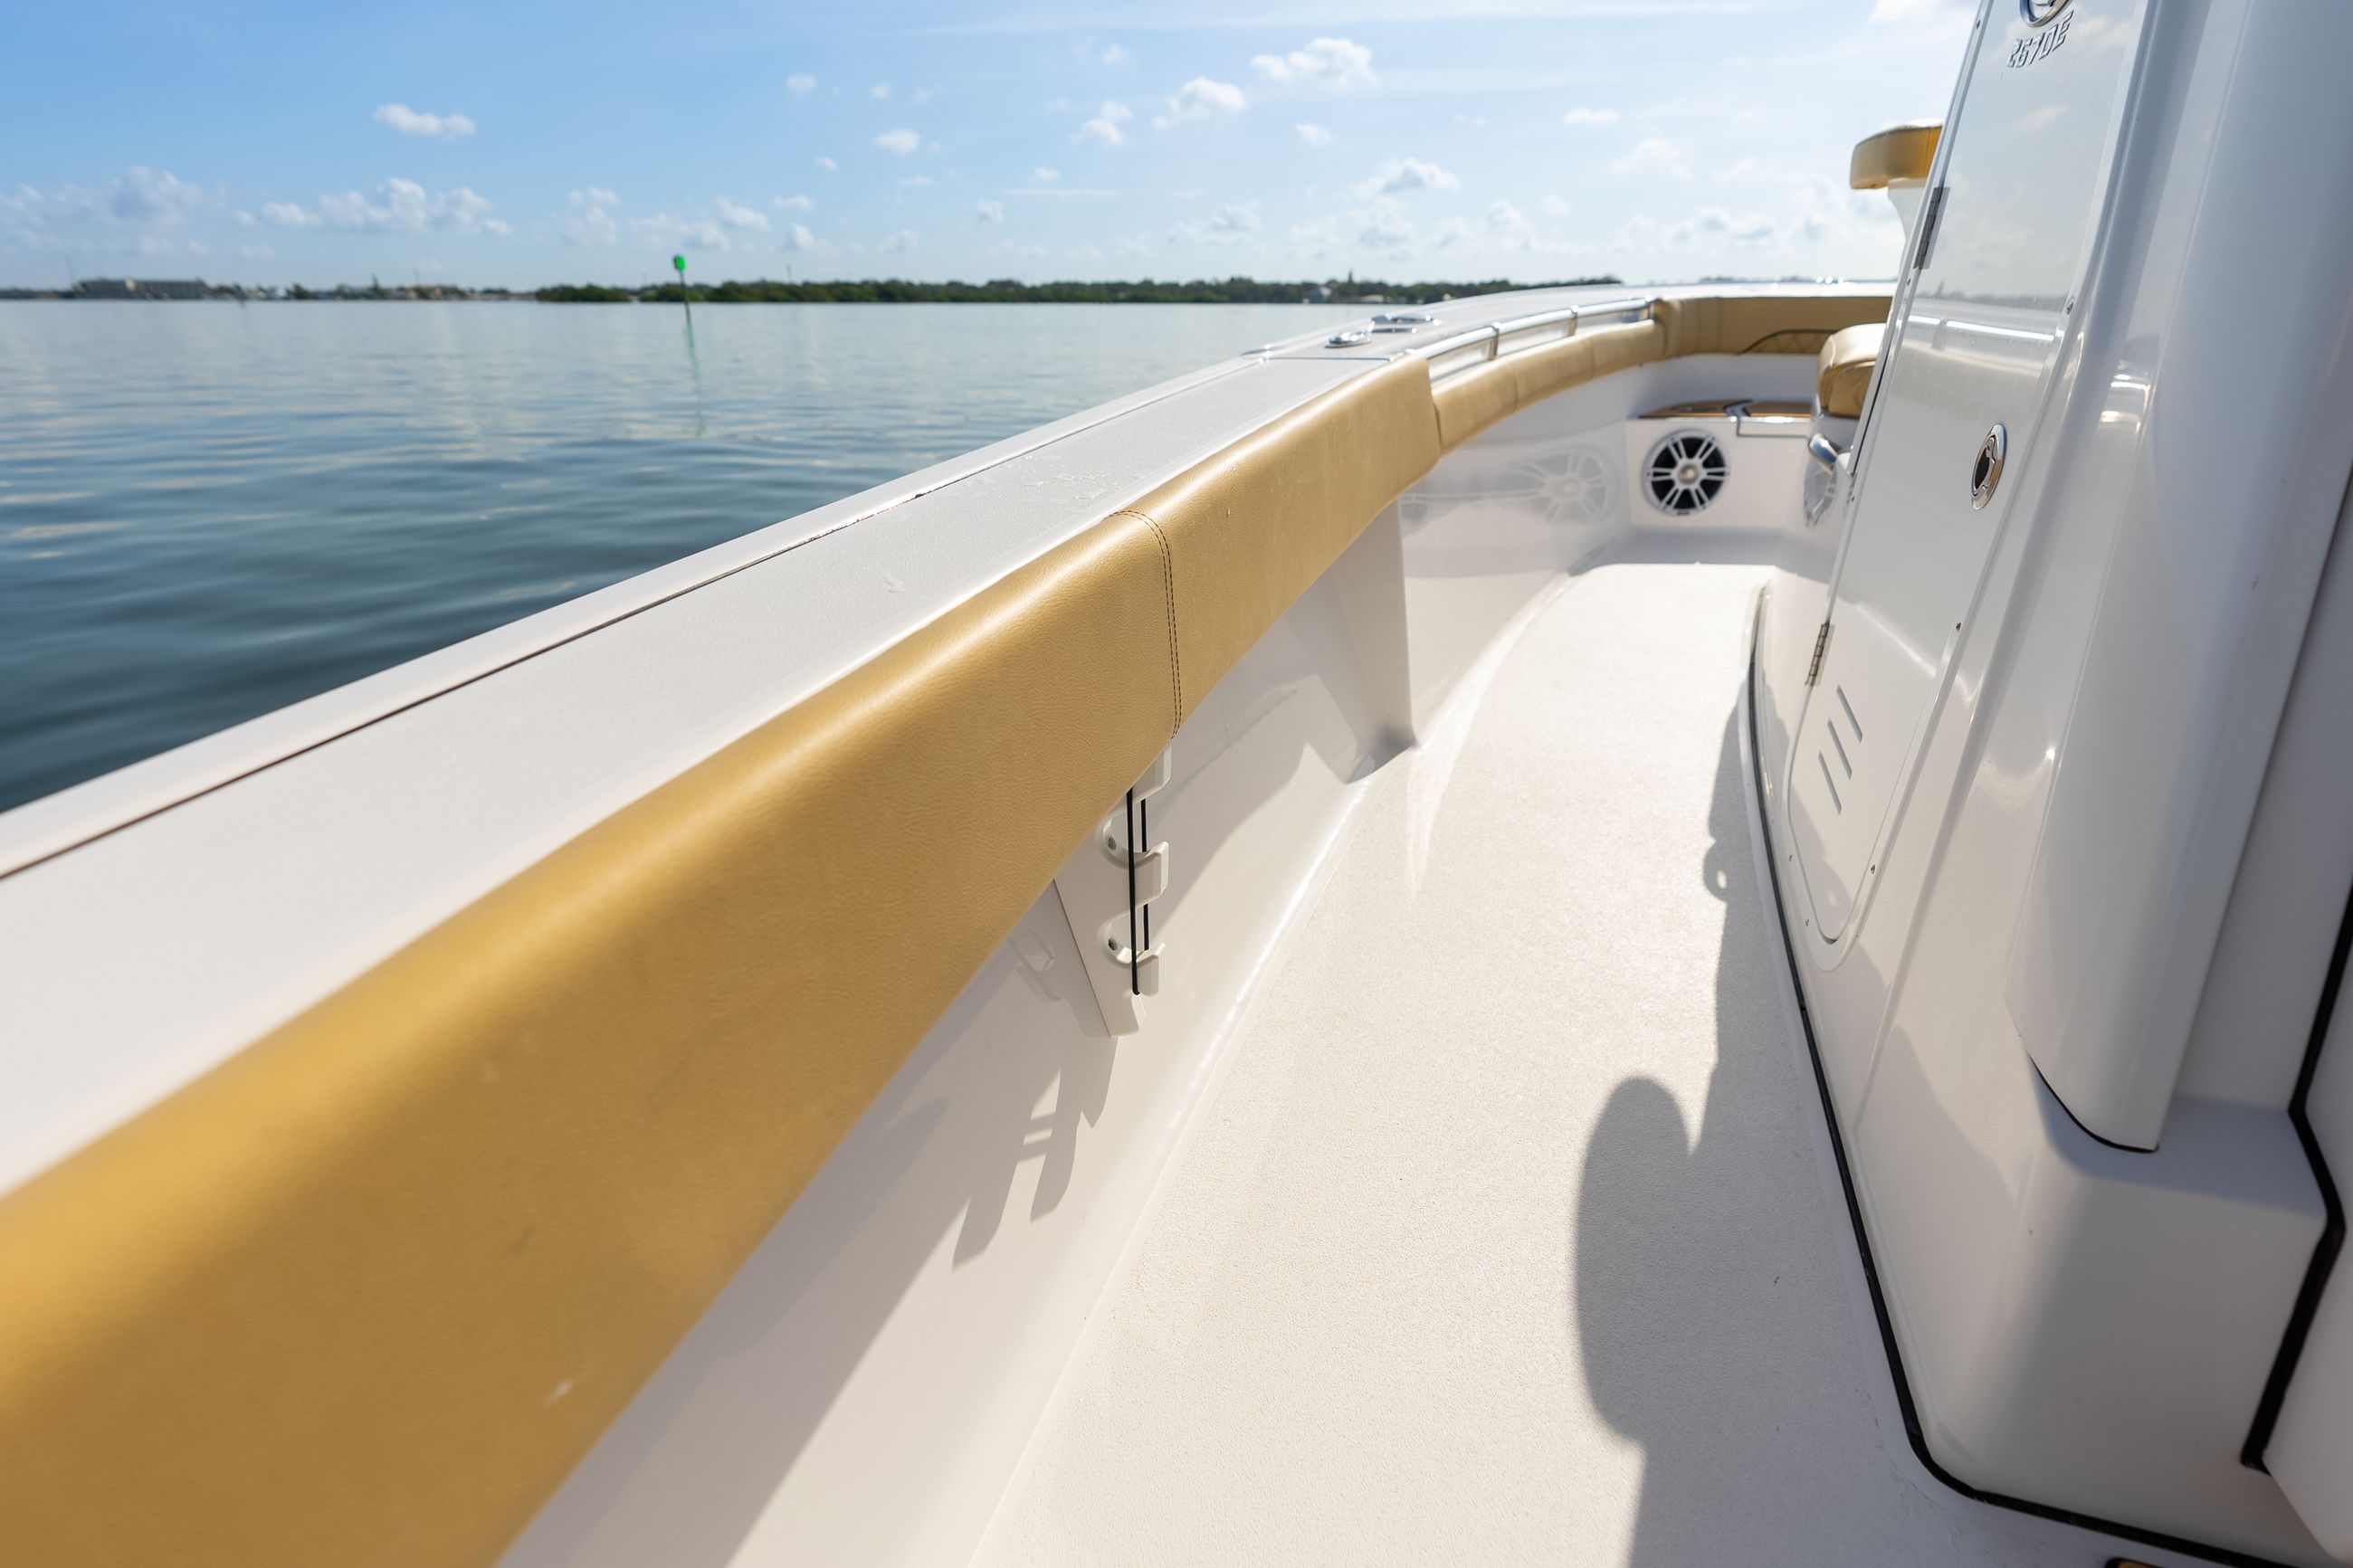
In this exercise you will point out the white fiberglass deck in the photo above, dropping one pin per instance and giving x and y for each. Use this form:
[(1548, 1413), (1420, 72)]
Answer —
[(1510, 1235)]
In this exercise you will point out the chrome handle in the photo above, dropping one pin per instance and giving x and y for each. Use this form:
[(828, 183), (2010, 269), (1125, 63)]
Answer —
[(1819, 448)]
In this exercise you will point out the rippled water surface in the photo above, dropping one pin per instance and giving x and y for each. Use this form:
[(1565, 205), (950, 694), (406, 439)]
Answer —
[(210, 511)]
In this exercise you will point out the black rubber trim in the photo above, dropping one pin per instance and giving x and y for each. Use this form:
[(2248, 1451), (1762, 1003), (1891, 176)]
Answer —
[(2061, 1104), (1912, 1431), (2332, 1233)]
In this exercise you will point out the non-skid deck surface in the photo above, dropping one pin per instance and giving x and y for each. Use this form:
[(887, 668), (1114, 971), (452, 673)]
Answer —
[(1505, 1238)]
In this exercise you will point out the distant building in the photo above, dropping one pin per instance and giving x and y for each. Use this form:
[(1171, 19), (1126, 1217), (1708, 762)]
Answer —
[(142, 288)]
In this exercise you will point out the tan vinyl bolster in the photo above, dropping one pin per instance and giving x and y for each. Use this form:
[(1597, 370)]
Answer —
[(1899, 155), (365, 1293), (1763, 323), (1472, 400), (1842, 370), (1252, 528)]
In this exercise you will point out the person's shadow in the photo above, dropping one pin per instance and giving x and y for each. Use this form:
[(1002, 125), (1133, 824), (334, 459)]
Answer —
[(1712, 1315)]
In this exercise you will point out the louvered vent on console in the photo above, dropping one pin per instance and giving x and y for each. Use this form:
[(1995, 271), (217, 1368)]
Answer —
[(1685, 472)]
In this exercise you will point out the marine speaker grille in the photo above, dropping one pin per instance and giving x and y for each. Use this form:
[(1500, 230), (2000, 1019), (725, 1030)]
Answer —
[(1685, 472)]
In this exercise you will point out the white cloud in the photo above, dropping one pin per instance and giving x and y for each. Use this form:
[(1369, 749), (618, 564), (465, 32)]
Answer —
[(880, 90), (797, 236), (160, 244), (914, 181), (1385, 228), (992, 212), (143, 195), (1730, 228), (800, 85), (795, 202), (590, 223), (1922, 10), (827, 164), (415, 123), (1316, 240), (1507, 220), (1450, 233), (921, 95), (1407, 174), (1655, 156), (1044, 176), (901, 242), (1202, 98), (1313, 135), (397, 206), (1324, 62), (1103, 129), (736, 214), (1134, 247), (900, 142), (1233, 222), (255, 252), (671, 232), (1555, 206), (139, 197), (1583, 115)]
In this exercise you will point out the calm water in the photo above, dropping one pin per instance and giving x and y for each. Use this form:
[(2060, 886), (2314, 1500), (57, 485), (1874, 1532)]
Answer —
[(208, 512)]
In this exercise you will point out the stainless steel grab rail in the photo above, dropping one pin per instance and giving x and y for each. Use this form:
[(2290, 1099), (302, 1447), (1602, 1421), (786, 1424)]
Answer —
[(1494, 340), (1490, 339)]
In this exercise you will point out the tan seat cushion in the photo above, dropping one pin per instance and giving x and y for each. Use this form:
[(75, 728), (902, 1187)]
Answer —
[(1899, 155), (1842, 370)]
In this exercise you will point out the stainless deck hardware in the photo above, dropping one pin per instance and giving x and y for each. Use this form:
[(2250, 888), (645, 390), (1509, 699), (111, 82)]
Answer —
[(1107, 889), (1986, 473)]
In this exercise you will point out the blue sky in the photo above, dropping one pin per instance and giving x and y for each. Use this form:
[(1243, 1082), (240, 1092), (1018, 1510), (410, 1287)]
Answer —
[(1526, 139)]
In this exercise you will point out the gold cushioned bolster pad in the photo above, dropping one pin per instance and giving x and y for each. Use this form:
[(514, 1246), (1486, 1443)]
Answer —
[(1470, 400), (1901, 154), (1763, 323), (1249, 529), (1842, 370), (368, 1290)]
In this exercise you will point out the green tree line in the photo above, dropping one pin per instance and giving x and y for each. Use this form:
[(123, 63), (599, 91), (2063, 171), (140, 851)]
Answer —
[(1007, 291)]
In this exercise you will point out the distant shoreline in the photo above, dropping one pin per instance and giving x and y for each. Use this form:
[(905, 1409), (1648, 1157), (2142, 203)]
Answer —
[(1348, 290)]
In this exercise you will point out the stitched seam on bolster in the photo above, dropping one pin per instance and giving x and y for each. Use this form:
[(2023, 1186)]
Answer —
[(1168, 587)]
